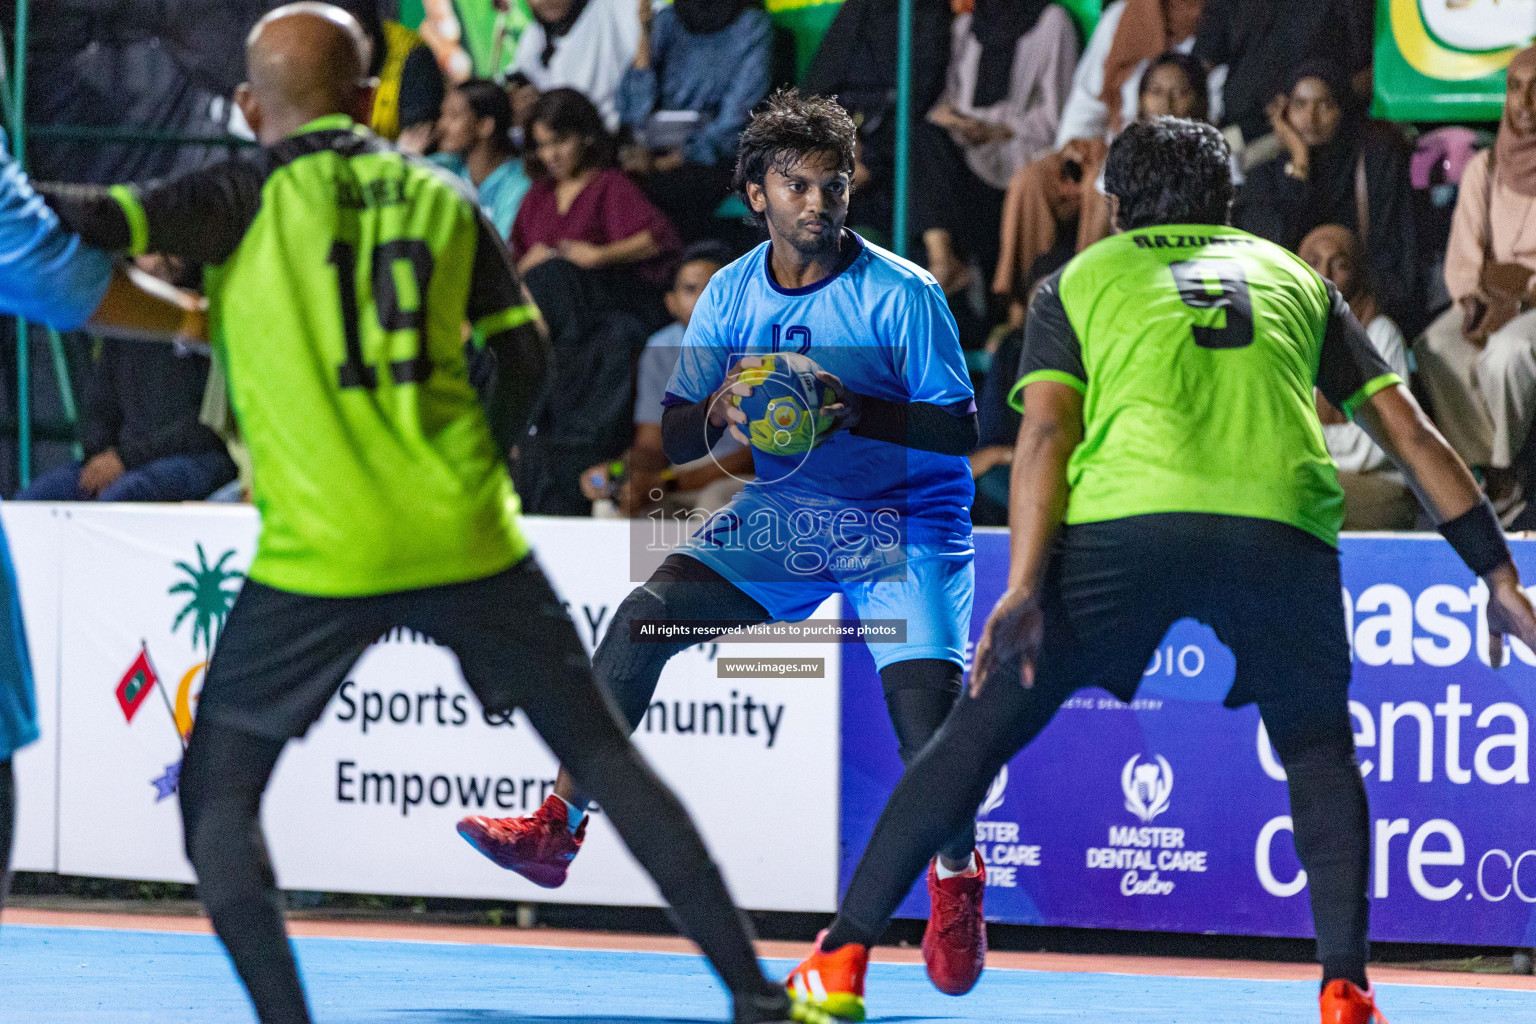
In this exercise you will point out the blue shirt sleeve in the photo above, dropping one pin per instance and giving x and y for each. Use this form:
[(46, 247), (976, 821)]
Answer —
[(47, 275), (656, 365), (935, 365), (706, 352)]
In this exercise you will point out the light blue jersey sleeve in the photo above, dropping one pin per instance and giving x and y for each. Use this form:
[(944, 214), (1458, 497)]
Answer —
[(47, 275), (706, 351), (935, 370)]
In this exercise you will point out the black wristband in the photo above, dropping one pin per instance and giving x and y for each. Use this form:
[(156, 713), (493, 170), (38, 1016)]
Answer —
[(1478, 538)]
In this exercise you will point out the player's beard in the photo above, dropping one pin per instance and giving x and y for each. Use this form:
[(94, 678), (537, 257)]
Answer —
[(810, 246)]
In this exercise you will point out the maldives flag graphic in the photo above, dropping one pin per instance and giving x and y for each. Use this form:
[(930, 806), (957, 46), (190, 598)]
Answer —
[(136, 684)]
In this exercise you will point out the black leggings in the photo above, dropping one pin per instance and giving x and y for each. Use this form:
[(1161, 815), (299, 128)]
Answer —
[(1111, 592), (918, 694), (7, 825), (516, 647)]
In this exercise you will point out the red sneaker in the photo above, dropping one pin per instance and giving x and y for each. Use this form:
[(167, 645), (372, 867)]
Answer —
[(1342, 1002), (955, 941), (539, 847), (832, 983)]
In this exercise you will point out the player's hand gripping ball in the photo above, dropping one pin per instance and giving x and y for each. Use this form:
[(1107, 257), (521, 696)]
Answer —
[(783, 411)]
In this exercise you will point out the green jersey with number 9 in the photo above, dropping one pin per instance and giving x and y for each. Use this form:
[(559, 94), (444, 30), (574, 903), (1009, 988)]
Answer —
[(1196, 349), (340, 277)]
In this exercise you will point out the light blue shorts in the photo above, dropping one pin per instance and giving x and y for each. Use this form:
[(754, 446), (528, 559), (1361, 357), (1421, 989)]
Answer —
[(18, 703), (790, 558)]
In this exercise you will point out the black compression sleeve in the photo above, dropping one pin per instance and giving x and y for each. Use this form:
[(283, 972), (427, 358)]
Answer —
[(1477, 537), (511, 374), (686, 433), (921, 425)]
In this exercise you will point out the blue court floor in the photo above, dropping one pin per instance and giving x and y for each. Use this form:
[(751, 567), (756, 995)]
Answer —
[(77, 975)]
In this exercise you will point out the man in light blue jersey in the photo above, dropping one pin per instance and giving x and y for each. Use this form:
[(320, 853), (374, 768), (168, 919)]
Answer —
[(877, 511), (48, 276)]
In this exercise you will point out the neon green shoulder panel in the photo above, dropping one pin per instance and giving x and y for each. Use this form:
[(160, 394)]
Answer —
[(1201, 346), (339, 322)]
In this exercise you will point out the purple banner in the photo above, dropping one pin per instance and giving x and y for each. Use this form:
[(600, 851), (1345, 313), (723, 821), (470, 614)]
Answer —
[(1171, 814)]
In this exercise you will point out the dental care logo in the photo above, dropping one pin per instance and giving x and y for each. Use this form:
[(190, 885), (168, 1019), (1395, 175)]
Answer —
[(1148, 788), (998, 841)]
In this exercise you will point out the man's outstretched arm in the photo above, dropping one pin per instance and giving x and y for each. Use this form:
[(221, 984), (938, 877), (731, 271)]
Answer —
[(139, 307), (1462, 512)]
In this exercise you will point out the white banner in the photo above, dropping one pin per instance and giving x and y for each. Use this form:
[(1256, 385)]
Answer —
[(34, 532), (368, 800)]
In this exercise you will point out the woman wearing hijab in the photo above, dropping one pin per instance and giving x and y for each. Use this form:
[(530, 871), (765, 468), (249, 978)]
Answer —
[(580, 44), (1010, 67), (1258, 42), (1129, 34), (1336, 168), (1376, 497), (1478, 360), (704, 58)]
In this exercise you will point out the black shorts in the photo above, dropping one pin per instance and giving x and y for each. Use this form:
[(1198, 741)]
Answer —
[(1271, 592), (282, 656)]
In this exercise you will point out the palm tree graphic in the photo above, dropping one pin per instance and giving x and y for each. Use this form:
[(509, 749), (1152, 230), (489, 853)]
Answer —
[(210, 598)]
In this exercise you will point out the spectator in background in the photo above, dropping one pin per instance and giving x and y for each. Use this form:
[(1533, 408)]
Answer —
[(649, 478), (594, 254), (1376, 497), (580, 44), (998, 423), (1055, 207), (704, 58), (524, 96), (1106, 89), (1336, 168), (580, 208), (476, 129), (857, 63), (1010, 68), (139, 425), (1476, 361), (1260, 41)]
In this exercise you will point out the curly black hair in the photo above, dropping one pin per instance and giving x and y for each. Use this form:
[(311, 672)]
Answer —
[(1170, 171), (786, 128)]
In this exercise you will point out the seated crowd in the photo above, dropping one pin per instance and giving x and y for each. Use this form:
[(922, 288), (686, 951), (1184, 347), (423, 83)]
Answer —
[(605, 157)]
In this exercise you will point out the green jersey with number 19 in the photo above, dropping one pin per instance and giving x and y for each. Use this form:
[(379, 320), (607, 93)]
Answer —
[(1197, 349), (340, 277)]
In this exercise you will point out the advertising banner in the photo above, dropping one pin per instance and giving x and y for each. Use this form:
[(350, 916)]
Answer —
[(1444, 60), (367, 801), (1171, 814), (33, 532)]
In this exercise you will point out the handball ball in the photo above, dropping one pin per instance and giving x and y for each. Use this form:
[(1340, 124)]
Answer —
[(784, 409)]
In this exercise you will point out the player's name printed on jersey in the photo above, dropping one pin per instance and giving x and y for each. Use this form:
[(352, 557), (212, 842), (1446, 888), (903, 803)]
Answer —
[(1144, 854), (1159, 240), (998, 842)]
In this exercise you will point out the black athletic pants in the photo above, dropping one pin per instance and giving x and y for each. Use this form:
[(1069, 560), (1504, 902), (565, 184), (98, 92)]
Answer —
[(1271, 593), (7, 826), (281, 658), (918, 694)]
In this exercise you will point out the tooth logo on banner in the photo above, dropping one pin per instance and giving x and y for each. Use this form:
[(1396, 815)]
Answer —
[(1147, 787), (995, 793)]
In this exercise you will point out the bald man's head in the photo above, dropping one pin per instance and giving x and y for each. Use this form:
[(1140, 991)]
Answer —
[(303, 61)]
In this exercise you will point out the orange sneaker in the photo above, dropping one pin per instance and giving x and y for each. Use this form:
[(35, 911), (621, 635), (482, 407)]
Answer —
[(832, 982), (539, 847), (955, 941), (1343, 1002)]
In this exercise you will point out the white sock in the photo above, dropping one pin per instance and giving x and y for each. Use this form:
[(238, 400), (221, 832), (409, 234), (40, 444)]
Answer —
[(573, 815), (971, 869)]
